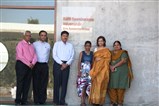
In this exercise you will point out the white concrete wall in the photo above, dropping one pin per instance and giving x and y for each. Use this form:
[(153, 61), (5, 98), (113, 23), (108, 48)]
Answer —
[(135, 24)]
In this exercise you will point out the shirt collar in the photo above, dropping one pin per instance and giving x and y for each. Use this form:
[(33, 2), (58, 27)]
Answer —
[(26, 42), (41, 41), (64, 43)]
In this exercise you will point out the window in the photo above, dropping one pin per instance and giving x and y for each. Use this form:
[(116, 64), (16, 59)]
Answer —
[(16, 17)]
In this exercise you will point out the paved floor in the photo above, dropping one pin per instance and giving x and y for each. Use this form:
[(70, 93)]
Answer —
[(10, 101), (4, 101)]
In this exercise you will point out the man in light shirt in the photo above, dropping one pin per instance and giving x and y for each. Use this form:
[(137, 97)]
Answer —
[(25, 61), (41, 69), (63, 55)]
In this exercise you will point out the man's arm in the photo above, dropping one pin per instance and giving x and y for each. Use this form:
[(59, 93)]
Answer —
[(34, 58), (69, 62), (54, 54)]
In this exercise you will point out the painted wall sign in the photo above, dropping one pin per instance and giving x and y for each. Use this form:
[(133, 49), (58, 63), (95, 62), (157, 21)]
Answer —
[(77, 19)]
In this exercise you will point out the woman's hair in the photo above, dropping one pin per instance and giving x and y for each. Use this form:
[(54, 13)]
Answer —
[(118, 43), (101, 37), (87, 42)]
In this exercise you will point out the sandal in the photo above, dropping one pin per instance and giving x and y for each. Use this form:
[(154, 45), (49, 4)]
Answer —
[(83, 104), (113, 104)]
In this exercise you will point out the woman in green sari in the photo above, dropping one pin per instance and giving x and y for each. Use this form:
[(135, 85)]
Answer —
[(120, 76)]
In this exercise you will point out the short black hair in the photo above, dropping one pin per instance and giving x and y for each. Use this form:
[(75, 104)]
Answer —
[(118, 43), (42, 31), (101, 37), (87, 42), (64, 32)]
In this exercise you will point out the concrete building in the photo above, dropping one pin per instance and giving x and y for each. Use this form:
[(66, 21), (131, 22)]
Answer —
[(21, 27), (10, 35), (133, 22)]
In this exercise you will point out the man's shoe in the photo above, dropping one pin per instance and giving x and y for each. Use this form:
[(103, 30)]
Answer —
[(36, 103), (24, 103), (17, 103), (42, 103), (64, 104), (54, 103)]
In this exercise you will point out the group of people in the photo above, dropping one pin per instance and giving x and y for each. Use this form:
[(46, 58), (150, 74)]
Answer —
[(99, 71), (32, 63)]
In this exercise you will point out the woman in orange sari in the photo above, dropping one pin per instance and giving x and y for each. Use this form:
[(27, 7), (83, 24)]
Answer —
[(99, 73)]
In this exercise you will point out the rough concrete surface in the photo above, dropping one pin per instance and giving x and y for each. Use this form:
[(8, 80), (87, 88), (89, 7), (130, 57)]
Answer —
[(135, 24)]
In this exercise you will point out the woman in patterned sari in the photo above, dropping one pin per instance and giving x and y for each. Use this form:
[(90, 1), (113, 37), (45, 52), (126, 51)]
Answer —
[(99, 73), (120, 76)]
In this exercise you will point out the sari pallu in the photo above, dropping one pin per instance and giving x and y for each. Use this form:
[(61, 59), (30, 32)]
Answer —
[(99, 76)]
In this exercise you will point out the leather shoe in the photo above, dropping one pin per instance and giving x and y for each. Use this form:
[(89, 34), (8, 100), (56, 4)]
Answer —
[(65, 104)]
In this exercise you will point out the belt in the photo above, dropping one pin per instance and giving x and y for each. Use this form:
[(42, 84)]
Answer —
[(64, 61), (42, 62)]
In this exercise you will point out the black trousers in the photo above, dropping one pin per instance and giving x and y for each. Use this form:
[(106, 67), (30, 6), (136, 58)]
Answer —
[(40, 82), (23, 78), (60, 80)]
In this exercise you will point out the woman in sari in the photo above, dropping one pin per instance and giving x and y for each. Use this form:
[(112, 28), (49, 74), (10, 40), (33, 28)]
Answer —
[(99, 73), (120, 76), (84, 66)]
